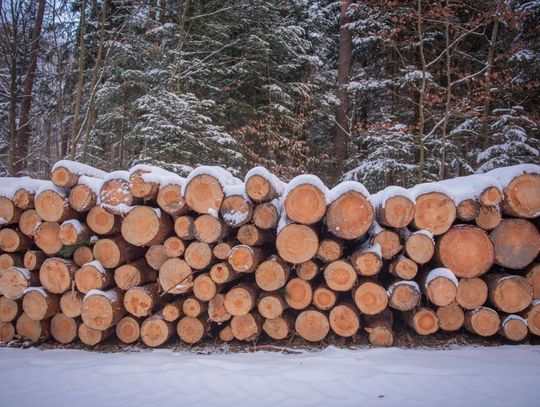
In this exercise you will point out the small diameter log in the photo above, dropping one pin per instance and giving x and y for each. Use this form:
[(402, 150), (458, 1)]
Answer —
[(93, 276), (434, 212), (533, 278), (171, 201), (271, 305), (216, 309), (305, 204), (29, 222), (73, 232), (39, 304), (225, 334), (12, 240), (193, 307), (324, 298), (34, 331), (312, 325), (370, 297), (64, 329), (146, 226), (245, 259), (15, 280), (403, 268), (266, 216), (272, 274), (23, 199), (222, 250), (184, 227), (379, 328), (9, 309), (516, 243), (83, 255), (451, 317), (140, 188), (514, 328), (340, 275), (156, 256), (103, 309), (112, 252), (175, 276), (246, 327), (172, 310), (330, 250), (522, 196), (63, 177), (8, 211), (208, 229), (71, 303), (241, 299), (155, 331), (192, 330), (7, 331), (367, 260), (297, 243), (467, 210), (491, 196), (140, 301), (204, 192), (251, 235), (488, 218), (128, 330), (8, 260), (423, 320), (308, 270), (533, 318), (344, 320), (222, 273), (298, 293), (92, 337), (236, 210), (82, 198), (204, 288), (439, 286), (174, 246), (279, 328), (397, 212), (472, 293), (509, 293), (389, 242), (33, 259), (134, 274), (482, 321), (350, 216), (199, 255), (404, 295), (115, 192), (53, 206), (260, 189), (466, 250), (103, 222), (420, 247)]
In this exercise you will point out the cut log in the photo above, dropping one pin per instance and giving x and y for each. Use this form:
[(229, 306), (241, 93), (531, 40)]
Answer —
[(491, 196), (112, 252), (522, 196), (193, 307), (297, 243), (92, 337), (245, 259), (217, 311), (12, 240), (83, 255), (509, 293), (305, 204), (324, 298), (204, 288), (389, 242), (171, 201), (482, 321), (63, 177), (422, 320), (307, 270), (29, 222), (155, 331), (279, 328), (156, 256), (73, 232), (222, 250), (298, 293), (64, 329), (140, 301), (174, 246), (488, 218), (52, 206), (272, 274), (236, 210), (403, 268), (266, 216), (103, 309), (271, 305), (397, 212), (15, 280), (340, 275), (451, 317), (222, 273), (330, 250), (7, 331), (8, 211), (466, 250), (350, 216), (9, 309), (199, 255), (134, 274), (533, 318), (173, 310), (192, 330), (516, 242), (82, 198), (241, 299), (225, 334), (209, 229), (71, 303), (204, 193), (379, 328), (128, 330), (367, 260), (39, 304), (175, 276), (8, 260), (259, 189), (533, 278), (251, 235), (184, 227), (344, 320), (370, 297), (312, 325), (103, 222), (514, 328), (404, 295), (246, 327), (115, 191), (146, 226), (420, 247), (23, 199), (472, 293), (439, 286), (34, 331), (140, 188), (467, 210), (434, 212)]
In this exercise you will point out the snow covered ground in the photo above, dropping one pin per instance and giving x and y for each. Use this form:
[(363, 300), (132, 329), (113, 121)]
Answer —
[(464, 376)]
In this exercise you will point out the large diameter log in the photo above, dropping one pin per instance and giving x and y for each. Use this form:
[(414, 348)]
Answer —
[(92, 337), (279, 328), (305, 204), (51, 206), (155, 331), (509, 293), (344, 320), (114, 251), (29, 222), (134, 274), (482, 321), (34, 331), (245, 259), (71, 303), (420, 247), (379, 328), (103, 309), (73, 232), (370, 297), (440, 286), (146, 226), (403, 268), (204, 193), (184, 227), (488, 218), (39, 304), (8, 211), (251, 235), (82, 198), (174, 246), (350, 216), (466, 250), (209, 229), (298, 293), (516, 243), (422, 320), (12, 240), (434, 212), (312, 325), (404, 295), (47, 237), (128, 330), (103, 222), (15, 280), (271, 305), (241, 299), (192, 330), (7, 331), (217, 311), (389, 242), (467, 210), (307, 270), (156, 255), (260, 189), (246, 327), (514, 328), (175, 276), (199, 255), (57, 275), (33, 259), (340, 275), (266, 216), (204, 288), (533, 318), (9, 309), (451, 317), (367, 261), (330, 250), (522, 196), (324, 298), (236, 210), (397, 212), (171, 201), (272, 274), (472, 293), (140, 301), (533, 278), (64, 329), (297, 243)]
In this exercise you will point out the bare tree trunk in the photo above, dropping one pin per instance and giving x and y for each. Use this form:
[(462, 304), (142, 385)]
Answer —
[(421, 119), (442, 168), (341, 134), (13, 105), (24, 118)]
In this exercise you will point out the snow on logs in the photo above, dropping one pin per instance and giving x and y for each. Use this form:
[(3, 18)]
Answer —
[(147, 255)]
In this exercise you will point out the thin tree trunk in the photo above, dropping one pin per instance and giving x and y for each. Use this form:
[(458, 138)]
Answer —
[(442, 168), (421, 119), (13, 106)]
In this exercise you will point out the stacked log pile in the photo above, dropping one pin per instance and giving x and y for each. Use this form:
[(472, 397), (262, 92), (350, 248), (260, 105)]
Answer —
[(148, 255)]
